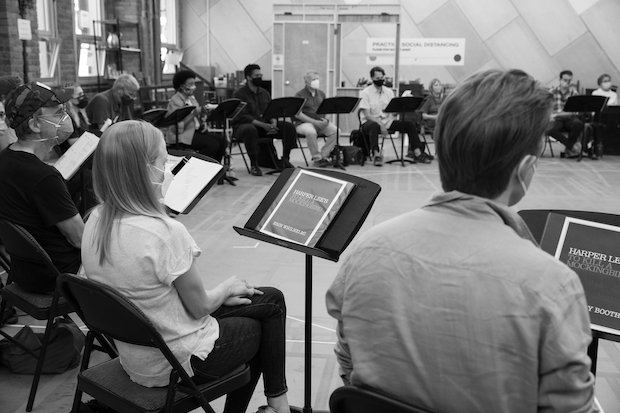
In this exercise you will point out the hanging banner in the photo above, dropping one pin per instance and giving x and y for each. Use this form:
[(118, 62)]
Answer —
[(416, 51)]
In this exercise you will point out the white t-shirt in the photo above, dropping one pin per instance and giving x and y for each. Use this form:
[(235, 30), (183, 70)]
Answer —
[(613, 96), (146, 255), (375, 101)]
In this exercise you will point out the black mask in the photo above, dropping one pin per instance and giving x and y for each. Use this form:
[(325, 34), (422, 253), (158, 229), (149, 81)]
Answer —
[(257, 81), (126, 100), (82, 102), (378, 82)]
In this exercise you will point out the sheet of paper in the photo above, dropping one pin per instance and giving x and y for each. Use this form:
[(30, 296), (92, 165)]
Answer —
[(69, 163), (189, 182)]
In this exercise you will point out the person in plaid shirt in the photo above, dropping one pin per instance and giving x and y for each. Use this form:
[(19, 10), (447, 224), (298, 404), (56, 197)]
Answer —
[(565, 121)]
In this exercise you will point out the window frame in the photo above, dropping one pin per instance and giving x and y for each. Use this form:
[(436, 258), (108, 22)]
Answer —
[(79, 39), (49, 36)]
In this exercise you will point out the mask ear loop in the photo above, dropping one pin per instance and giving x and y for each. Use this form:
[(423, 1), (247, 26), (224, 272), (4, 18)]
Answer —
[(521, 182)]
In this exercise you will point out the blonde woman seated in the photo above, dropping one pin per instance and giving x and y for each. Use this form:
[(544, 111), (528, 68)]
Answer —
[(132, 245), (431, 106)]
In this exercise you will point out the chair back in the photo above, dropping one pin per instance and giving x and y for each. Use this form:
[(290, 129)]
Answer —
[(30, 264), (351, 399)]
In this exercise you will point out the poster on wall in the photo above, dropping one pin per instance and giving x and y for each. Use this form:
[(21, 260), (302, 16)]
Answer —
[(416, 51)]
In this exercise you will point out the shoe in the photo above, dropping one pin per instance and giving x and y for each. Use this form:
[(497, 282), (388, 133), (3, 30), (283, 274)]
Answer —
[(286, 164), (574, 151), (378, 160), (422, 158), (322, 163), (410, 154), (255, 170)]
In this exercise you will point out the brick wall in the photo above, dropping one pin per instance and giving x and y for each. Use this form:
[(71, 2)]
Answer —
[(68, 56), (11, 48)]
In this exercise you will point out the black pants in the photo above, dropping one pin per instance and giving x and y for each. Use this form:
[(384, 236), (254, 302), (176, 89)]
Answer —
[(372, 130), (249, 135), (210, 144), (573, 126)]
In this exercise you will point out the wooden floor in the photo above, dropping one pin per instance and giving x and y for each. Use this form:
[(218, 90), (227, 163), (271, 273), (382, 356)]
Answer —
[(559, 183)]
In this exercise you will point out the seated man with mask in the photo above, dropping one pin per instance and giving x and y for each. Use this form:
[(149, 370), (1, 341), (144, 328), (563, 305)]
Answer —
[(34, 194), (114, 104), (456, 299)]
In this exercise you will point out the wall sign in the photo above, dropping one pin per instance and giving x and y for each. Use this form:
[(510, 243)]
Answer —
[(416, 51)]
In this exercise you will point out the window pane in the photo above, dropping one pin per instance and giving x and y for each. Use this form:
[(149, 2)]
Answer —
[(87, 63), (45, 58), (85, 12), (43, 16), (167, 21)]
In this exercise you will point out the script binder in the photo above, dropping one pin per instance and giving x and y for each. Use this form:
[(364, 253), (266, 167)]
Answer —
[(71, 161), (592, 250), (193, 177), (305, 207)]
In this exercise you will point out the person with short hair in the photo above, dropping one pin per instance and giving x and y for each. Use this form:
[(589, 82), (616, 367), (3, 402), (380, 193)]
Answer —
[(250, 125), (311, 124), (430, 107), (7, 135), (565, 121), (604, 89), (375, 121), (133, 246), (456, 299), (114, 104), (189, 132), (34, 194)]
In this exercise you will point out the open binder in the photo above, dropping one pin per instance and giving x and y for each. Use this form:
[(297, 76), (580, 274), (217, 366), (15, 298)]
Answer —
[(77, 155), (194, 174)]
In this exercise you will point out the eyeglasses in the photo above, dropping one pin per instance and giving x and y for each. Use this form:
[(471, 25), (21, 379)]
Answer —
[(63, 115)]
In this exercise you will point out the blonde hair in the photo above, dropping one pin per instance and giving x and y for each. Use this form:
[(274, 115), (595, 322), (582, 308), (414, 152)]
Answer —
[(122, 178), (430, 87)]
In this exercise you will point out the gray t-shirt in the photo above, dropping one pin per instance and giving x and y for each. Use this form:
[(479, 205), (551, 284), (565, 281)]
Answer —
[(146, 256)]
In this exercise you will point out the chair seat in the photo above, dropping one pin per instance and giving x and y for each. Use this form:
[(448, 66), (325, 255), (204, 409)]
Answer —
[(36, 305), (110, 384)]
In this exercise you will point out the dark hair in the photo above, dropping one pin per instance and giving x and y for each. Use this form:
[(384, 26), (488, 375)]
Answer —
[(602, 77), (565, 72), (376, 69), (23, 129), (486, 126), (181, 77), (250, 68)]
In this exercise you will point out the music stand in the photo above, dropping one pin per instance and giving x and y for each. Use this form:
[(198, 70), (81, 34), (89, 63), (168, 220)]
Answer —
[(338, 105), (583, 104), (221, 114), (332, 244), (282, 108), (173, 119), (403, 105)]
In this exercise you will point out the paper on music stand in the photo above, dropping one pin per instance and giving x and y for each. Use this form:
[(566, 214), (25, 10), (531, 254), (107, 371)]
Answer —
[(308, 204), (69, 163), (592, 250), (189, 182)]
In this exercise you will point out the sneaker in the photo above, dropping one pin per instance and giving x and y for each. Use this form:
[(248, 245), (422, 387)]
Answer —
[(574, 151), (322, 163), (378, 160), (255, 170), (422, 158)]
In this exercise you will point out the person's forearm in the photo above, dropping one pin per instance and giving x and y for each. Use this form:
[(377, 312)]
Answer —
[(216, 297), (307, 119)]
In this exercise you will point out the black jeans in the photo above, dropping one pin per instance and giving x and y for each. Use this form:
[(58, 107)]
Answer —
[(210, 144), (573, 126), (252, 334), (372, 130), (249, 134)]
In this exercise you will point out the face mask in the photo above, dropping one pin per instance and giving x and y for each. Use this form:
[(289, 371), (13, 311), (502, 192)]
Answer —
[(3, 127), (257, 81), (188, 91), (64, 129), (82, 102), (315, 84), (127, 100), (521, 182), (167, 180), (378, 82), (606, 85)]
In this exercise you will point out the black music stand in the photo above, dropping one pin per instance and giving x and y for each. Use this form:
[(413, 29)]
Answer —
[(338, 105), (225, 110), (584, 104), (154, 117), (336, 238), (282, 108), (403, 105)]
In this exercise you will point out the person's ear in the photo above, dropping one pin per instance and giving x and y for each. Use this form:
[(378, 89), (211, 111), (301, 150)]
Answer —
[(34, 126), (527, 167)]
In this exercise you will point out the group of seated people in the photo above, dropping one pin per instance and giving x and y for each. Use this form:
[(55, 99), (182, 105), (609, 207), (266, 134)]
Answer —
[(454, 300)]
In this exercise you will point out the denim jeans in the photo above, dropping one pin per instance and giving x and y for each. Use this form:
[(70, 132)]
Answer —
[(252, 334)]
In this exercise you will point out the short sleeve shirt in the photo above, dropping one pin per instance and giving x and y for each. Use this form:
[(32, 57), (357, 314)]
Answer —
[(376, 101), (101, 108)]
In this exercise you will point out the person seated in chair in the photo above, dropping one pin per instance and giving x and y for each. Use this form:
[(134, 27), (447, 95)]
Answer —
[(250, 125), (34, 194), (565, 121), (375, 121), (604, 89), (430, 107), (209, 144), (310, 124), (115, 104), (211, 332), (7, 135), (454, 306)]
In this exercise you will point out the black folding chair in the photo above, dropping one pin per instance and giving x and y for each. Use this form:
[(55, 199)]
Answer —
[(351, 399)]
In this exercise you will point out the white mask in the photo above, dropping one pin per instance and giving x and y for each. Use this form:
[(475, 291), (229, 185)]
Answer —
[(315, 84), (167, 180), (3, 127), (606, 85)]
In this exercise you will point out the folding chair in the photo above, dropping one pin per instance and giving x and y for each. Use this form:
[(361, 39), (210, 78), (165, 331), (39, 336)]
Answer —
[(351, 399), (365, 148), (26, 254), (107, 312)]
